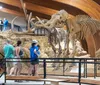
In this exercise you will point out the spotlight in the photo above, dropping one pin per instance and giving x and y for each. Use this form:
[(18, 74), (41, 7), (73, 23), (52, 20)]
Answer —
[(1, 7)]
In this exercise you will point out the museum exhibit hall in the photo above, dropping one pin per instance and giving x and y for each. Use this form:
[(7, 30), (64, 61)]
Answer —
[(49, 42)]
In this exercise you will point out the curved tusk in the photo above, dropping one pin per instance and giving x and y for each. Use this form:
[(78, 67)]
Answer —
[(43, 23), (29, 18), (12, 22), (39, 20), (32, 19)]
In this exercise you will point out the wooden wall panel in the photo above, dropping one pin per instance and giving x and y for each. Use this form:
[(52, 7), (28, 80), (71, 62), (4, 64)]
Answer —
[(91, 44), (97, 1), (57, 6), (85, 5)]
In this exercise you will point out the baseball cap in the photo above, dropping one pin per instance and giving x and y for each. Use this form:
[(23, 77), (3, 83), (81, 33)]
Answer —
[(34, 41)]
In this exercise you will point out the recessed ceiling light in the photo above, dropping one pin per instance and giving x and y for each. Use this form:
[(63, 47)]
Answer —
[(1, 7)]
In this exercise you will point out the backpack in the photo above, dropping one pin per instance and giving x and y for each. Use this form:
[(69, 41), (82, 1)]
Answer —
[(21, 53)]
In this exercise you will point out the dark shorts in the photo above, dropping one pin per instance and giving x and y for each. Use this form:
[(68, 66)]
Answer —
[(36, 61)]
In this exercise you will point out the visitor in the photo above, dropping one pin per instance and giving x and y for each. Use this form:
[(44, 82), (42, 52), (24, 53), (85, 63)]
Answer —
[(18, 53), (9, 54), (1, 24), (34, 53), (5, 24)]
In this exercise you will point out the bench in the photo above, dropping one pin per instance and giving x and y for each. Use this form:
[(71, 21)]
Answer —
[(23, 77), (37, 78)]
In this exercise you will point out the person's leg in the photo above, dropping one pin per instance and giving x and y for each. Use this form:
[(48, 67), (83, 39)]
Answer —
[(36, 69), (13, 70), (4, 28), (8, 67), (30, 70), (19, 68), (33, 70)]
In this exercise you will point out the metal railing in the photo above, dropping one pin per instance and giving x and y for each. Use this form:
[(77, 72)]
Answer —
[(9, 27), (37, 32), (80, 61), (1, 67)]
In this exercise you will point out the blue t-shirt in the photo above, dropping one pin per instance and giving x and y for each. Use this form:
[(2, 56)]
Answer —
[(5, 23), (33, 55)]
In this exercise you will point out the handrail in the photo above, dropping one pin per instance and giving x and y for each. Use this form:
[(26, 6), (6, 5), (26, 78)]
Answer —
[(62, 58), (1, 60), (80, 61)]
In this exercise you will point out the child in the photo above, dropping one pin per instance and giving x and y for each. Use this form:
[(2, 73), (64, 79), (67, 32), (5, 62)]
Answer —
[(34, 54)]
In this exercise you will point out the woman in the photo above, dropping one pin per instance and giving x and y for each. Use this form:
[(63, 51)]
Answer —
[(34, 53), (17, 65)]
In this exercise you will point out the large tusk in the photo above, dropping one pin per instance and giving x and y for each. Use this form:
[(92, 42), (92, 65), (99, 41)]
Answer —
[(32, 19), (24, 8), (39, 20), (29, 19), (20, 33), (12, 22), (43, 25), (35, 24)]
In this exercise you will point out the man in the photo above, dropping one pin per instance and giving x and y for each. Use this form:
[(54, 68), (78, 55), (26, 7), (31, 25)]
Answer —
[(5, 24), (9, 54), (1, 24)]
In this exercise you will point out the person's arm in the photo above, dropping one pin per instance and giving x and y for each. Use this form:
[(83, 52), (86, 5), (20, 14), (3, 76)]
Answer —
[(17, 52), (35, 52)]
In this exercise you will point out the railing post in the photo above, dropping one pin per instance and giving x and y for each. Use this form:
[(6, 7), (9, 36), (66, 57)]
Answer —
[(5, 69), (95, 68), (86, 69), (79, 76), (44, 65), (63, 67)]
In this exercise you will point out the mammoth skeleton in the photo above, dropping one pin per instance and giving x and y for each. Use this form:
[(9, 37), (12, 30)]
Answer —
[(55, 27)]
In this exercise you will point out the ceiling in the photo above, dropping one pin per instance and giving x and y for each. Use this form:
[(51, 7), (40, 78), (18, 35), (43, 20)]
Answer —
[(45, 8)]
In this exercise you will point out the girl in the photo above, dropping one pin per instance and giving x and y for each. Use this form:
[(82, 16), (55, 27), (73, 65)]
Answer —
[(17, 65), (34, 53)]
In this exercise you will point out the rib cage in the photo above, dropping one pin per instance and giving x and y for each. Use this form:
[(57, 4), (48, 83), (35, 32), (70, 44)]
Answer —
[(87, 24)]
